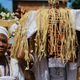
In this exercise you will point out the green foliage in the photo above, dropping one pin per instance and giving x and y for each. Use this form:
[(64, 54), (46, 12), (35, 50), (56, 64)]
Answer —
[(76, 4), (2, 9)]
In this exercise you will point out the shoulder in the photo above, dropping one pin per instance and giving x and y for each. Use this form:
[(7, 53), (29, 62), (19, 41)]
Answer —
[(17, 72), (14, 67), (14, 61)]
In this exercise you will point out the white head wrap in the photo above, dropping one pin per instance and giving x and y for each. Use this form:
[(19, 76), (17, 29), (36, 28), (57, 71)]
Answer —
[(4, 31), (77, 20), (31, 24)]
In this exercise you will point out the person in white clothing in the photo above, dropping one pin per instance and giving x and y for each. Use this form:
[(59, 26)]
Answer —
[(9, 68)]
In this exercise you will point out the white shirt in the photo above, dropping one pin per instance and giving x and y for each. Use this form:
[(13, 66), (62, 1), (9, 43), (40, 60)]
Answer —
[(15, 71)]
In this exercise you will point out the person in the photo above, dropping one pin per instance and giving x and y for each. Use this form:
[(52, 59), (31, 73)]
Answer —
[(18, 12), (51, 68), (72, 67), (9, 68), (40, 68), (39, 71)]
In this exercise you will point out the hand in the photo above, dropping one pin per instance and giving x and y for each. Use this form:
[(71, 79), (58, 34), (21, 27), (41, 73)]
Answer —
[(21, 53)]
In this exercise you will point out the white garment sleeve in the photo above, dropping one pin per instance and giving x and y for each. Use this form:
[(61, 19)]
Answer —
[(20, 75), (15, 70)]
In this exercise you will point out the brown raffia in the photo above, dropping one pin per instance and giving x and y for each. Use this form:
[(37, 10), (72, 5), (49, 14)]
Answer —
[(42, 25), (21, 39), (61, 34), (54, 29)]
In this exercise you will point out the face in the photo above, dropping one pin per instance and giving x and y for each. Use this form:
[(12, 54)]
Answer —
[(3, 44)]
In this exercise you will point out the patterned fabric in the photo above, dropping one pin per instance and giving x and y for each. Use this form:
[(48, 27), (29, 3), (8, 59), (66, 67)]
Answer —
[(56, 69), (72, 71), (57, 73)]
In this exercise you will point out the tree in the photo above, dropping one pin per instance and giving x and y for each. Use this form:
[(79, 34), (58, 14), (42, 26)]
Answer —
[(2, 9), (76, 4)]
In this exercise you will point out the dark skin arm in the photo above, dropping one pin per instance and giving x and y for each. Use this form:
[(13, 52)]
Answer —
[(23, 64)]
